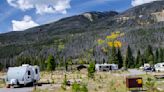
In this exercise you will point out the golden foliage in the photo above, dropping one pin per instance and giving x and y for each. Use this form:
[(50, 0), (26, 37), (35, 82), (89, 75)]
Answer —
[(100, 41), (104, 49), (117, 32), (115, 35), (111, 40), (116, 44), (112, 36)]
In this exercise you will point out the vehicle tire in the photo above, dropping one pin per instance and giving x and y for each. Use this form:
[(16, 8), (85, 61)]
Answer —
[(31, 84), (8, 86), (39, 84)]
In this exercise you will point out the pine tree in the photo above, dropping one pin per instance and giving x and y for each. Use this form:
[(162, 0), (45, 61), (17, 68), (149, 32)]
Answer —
[(125, 64), (1, 67), (161, 55), (69, 60), (66, 65), (129, 59), (61, 61), (120, 60), (113, 58), (149, 56), (42, 64), (138, 61), (51, 63), (157, 56)]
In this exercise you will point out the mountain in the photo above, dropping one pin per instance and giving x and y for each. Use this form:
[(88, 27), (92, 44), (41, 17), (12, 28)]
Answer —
[(77, 35)]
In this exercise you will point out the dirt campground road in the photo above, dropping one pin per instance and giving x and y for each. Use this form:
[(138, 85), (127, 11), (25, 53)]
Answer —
[(136, 72), (24, 89)]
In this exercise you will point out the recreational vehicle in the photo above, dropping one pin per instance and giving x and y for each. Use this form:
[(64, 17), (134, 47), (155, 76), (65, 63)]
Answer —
[(106, 67), (159, 67), (22, 75)]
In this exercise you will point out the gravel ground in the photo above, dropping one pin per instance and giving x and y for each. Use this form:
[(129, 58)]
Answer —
[(23, 89), (135, 72)]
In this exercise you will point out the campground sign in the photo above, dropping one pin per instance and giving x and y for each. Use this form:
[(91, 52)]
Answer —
[(134, 82)]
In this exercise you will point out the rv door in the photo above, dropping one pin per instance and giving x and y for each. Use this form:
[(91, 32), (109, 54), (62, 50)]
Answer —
[(28, 76)]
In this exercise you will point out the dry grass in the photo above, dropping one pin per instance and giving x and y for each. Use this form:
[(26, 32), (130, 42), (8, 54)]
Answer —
[(2, 82), (103, 81)]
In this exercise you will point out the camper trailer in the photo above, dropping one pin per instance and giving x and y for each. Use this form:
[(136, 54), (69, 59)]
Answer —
[(159, 67), (22, 75), (106, 67)]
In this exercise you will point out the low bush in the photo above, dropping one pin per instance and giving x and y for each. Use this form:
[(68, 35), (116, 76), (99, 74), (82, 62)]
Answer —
[(79, 87)]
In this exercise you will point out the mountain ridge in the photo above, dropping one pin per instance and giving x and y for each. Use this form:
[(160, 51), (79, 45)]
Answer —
[(75, 35)]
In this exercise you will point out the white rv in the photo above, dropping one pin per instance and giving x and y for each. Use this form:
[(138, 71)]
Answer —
[(106, 67), (22, 75), (159, 67)]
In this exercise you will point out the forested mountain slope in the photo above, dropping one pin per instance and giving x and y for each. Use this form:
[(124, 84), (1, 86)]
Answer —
[(77, 36)]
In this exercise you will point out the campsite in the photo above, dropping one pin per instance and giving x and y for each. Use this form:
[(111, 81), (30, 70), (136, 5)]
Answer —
[(113, 81), (81, 45)]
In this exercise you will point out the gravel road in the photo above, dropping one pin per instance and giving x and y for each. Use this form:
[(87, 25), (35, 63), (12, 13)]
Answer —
[(136, 72), (23, 89)]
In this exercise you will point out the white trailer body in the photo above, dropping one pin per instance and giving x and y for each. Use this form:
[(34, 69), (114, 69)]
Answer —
[(22, 75), (106, 67), (36, 70), (159, 67)]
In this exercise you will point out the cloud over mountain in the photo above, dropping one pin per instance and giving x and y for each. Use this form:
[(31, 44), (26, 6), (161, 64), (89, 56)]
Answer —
[(42, 6), (25, 23), (140, 2)]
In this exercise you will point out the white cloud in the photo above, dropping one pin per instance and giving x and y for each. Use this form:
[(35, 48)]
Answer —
[(25, 23), (140, 2), (42, 6)]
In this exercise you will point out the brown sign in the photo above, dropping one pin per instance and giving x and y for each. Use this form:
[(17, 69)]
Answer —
[(134, 82)]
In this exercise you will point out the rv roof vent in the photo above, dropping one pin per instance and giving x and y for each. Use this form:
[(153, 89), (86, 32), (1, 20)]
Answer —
[(25, 65)]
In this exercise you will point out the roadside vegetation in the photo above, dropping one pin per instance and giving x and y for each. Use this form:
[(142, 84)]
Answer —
[(102, 81)]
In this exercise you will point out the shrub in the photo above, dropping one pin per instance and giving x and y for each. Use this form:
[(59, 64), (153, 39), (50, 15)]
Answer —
[(75, 87), (65, 80), (150, 85), (79, 87), (84, 88), (63, 86), (91, 70)]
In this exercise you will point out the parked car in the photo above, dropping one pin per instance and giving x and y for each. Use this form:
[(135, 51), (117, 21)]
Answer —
[(149, 69), (22, 75), (159, 67)]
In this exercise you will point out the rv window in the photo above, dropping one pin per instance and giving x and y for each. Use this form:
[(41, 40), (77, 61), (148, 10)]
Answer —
[(36, 71), (29, 73)]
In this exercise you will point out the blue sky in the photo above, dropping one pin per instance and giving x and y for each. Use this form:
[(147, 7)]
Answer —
[(16, 15)]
